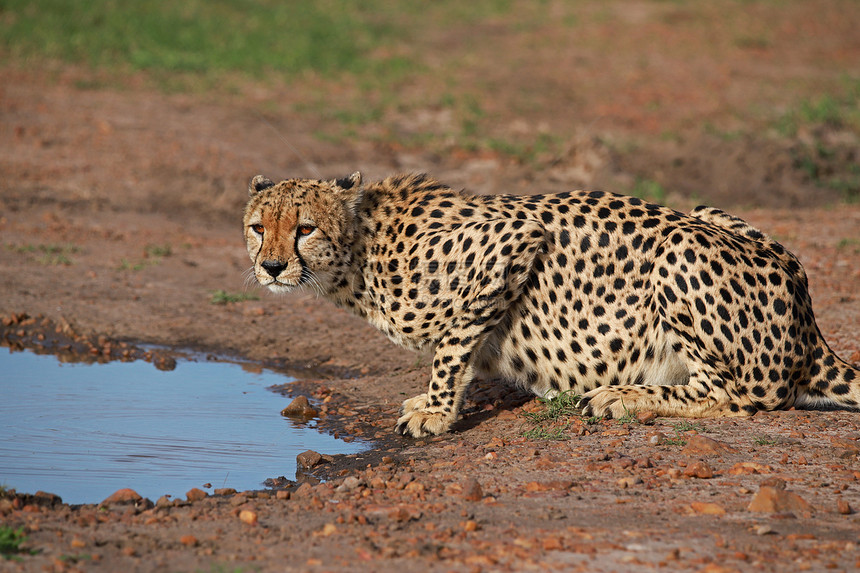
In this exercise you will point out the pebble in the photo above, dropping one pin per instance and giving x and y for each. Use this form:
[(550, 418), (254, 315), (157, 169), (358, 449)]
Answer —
[(196, 494), (309, 459), (303, 490), (248, 516), (743, 468), (770, 499), (707, 508), (656, 438), (224, 491), (843, 507), (124, 495), (349, 484), (627, 482), (697, 444), (645, 417), (472, 490), (188, 540), (699, 470), (299, 408)]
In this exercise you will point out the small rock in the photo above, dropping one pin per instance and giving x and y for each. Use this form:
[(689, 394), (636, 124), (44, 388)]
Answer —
[(196, 494), (699, 470), (470, 525), (764, 530), (163, 501), (224, 491), (328, 529), (309, 459), (188, 540), (744, 468), (772, 500), (248, 516), (299, 408), (645, 417), (121, 496), (697, 445), (706, 508), (472, 490), (628, 482), (656, 438), (303, 490), (774, 482), (843, 507), (349, 484), (45, 498), (282, 494)]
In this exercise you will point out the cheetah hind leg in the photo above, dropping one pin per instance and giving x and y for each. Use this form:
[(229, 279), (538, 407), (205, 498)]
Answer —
[(684, 400)]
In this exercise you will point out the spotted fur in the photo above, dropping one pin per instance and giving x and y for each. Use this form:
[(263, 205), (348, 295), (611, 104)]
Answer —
[(631, 304)]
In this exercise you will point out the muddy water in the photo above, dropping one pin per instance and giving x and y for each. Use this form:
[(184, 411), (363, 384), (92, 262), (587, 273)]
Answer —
[(83, 431)]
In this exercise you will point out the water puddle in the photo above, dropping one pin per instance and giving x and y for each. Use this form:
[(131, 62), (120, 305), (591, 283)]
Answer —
[(82, 431)]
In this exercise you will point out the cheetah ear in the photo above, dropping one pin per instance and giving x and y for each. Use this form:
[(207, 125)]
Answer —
[(350, 191), (258, 183), (347, 183)]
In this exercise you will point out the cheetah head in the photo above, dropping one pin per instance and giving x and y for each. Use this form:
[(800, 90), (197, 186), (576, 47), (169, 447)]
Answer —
[(299, 232)]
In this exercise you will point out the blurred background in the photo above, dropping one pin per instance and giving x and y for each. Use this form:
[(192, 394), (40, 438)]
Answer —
[(156, 105)]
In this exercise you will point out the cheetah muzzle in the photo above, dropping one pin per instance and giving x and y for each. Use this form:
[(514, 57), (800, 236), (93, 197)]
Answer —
[(632, 305)]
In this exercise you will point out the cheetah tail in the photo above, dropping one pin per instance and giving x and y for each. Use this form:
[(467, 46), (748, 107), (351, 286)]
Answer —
[(833, 382)]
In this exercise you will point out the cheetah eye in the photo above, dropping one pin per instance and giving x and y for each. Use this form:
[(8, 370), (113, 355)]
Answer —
[(305, 230), (258, 228)]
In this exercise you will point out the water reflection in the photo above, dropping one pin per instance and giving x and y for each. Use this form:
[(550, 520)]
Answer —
[(83, 431)]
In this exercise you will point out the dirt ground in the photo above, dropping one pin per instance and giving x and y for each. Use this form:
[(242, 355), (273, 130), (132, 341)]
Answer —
[(94, 181)]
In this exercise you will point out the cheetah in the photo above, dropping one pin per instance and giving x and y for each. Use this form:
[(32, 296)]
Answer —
[(632, 305)]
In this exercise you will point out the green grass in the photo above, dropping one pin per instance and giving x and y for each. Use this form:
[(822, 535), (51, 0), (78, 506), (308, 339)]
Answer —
[(550, 422), (680, 428), (197, 36), (351, 64), (539, 433), (224, 297), (629, 415), (286, 38), (676, 441), (47, 254), (849, 243), (764, 440), (158, 251), (688, 426), (152, 255), (10, 541), (562, 406)]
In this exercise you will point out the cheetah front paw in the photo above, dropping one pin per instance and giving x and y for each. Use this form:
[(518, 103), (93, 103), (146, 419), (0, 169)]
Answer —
[(607, 403), (418, 402), (420, 423)]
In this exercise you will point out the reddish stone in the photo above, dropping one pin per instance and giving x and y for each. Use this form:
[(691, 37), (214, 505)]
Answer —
[(772, 500), (196, 494), (124, 495)]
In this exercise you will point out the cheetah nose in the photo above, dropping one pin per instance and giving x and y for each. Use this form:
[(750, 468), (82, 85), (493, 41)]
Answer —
[(273, 267)]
